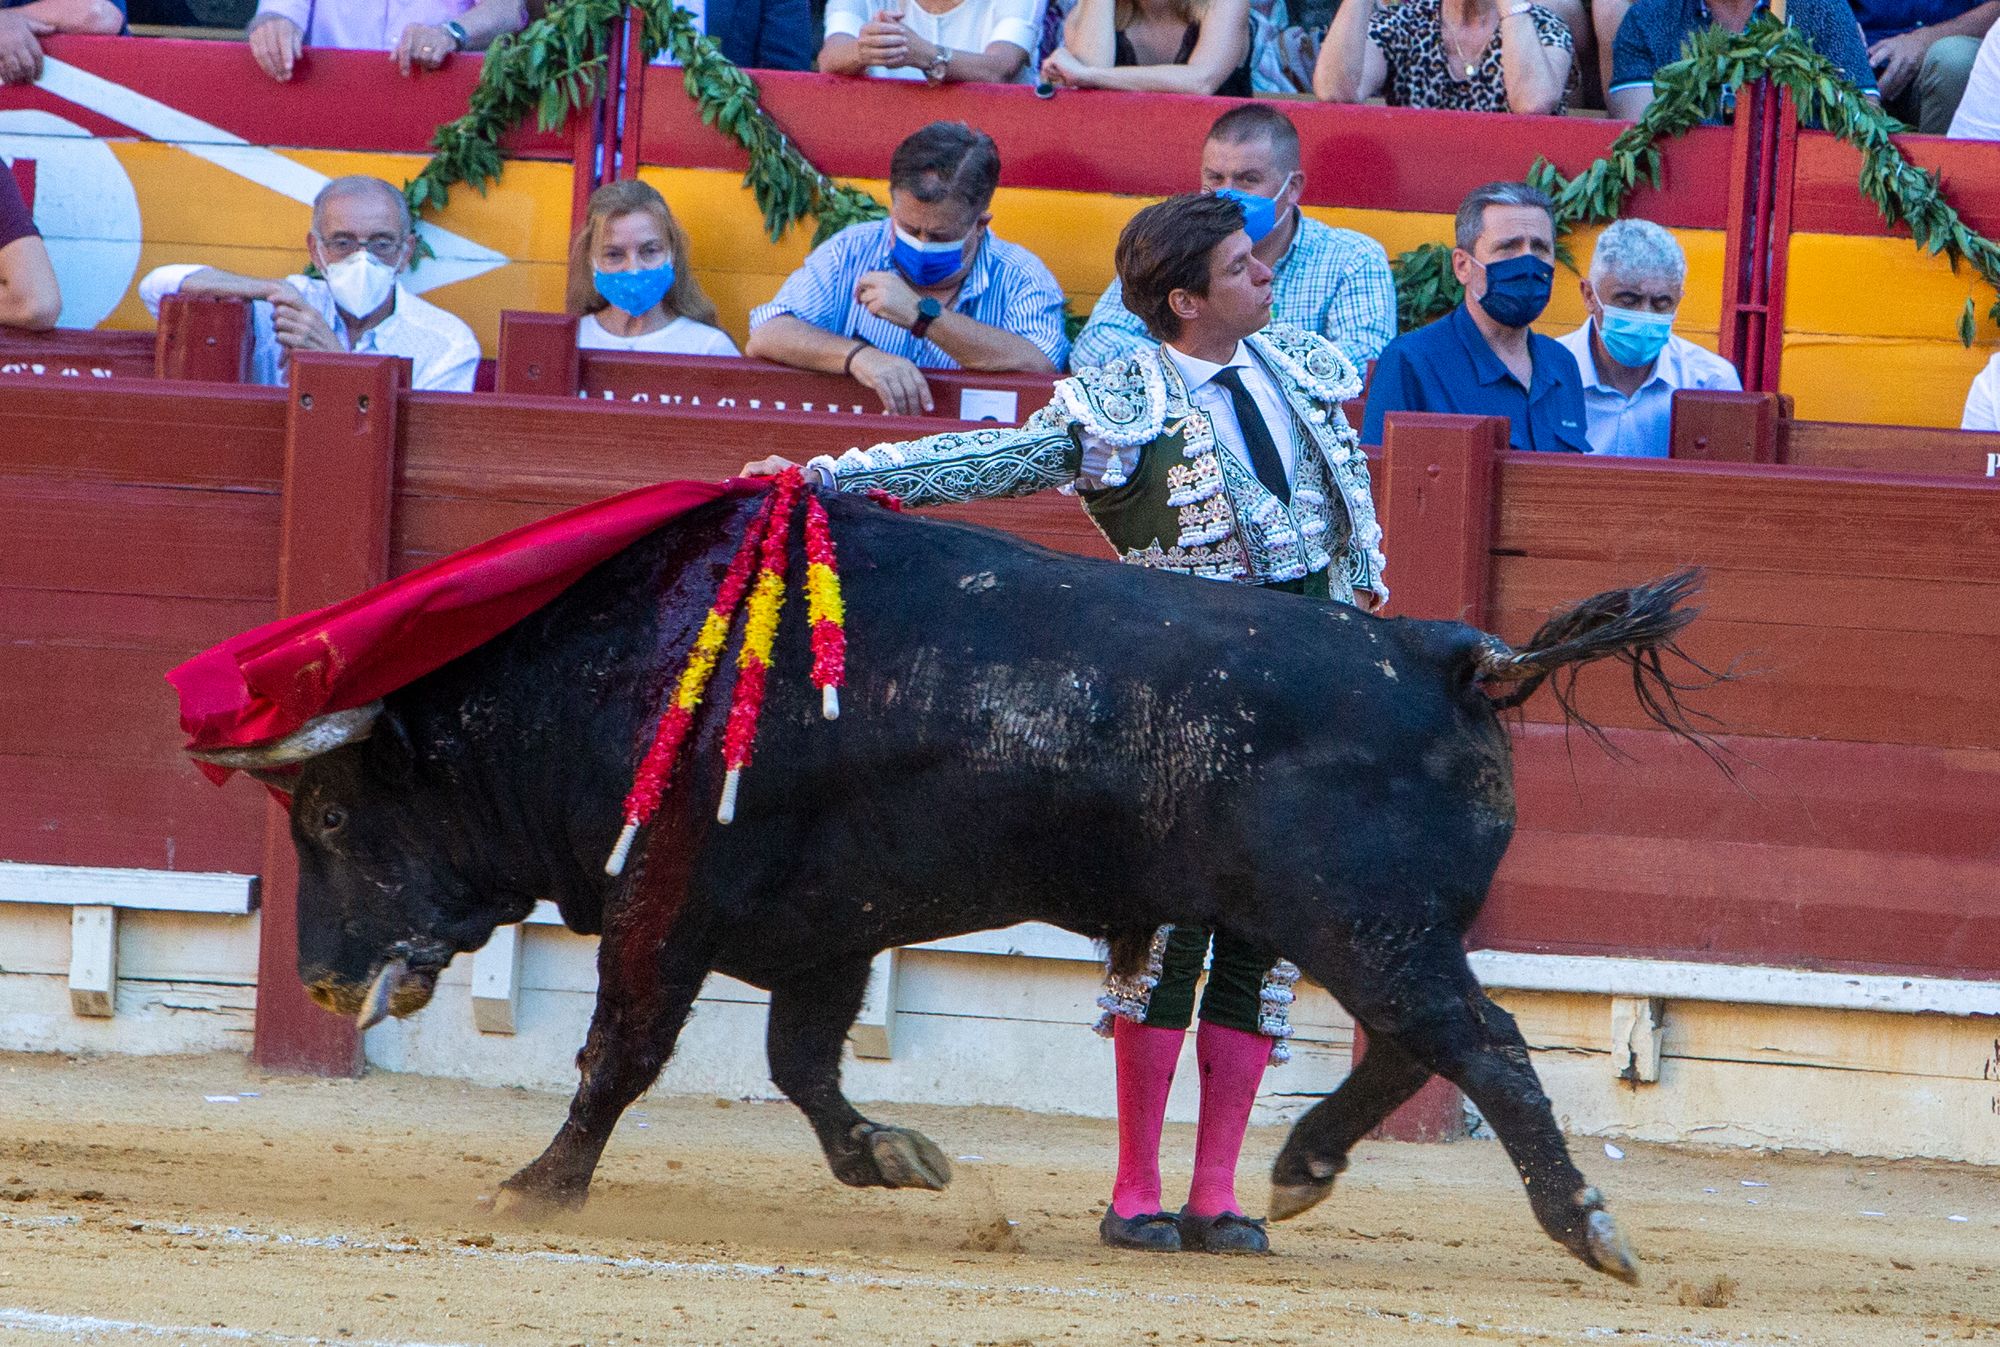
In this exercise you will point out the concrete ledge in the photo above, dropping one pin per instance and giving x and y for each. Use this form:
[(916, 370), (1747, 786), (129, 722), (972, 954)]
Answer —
[(134, 890)]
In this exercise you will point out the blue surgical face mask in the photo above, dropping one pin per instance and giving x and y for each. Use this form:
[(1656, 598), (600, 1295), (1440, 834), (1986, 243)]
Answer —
[(1517, 289), (927, 263), (1634, 337), (1260, 213), (636, 292)]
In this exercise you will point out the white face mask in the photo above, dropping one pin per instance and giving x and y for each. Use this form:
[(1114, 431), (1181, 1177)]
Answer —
[(360, 283)]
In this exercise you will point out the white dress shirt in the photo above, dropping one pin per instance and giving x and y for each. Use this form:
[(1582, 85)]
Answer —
[(444, 354), (1641, 426)]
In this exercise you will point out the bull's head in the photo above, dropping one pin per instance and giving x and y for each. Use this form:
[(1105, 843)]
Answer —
[(382, 907)]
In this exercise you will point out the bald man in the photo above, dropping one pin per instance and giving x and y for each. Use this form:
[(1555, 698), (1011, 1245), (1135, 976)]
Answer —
[(360, 242)]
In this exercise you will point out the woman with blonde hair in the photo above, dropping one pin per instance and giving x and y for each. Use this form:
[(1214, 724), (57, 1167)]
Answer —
[(1155, 46), (629, 281)]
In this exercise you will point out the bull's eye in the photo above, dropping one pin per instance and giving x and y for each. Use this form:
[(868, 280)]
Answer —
[(333, 820)]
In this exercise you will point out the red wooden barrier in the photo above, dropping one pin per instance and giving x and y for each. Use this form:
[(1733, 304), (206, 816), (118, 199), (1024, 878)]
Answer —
[(1437, 516), (1866, 844), (538, 354), (198, 338), (333, 541), (1715, 427)]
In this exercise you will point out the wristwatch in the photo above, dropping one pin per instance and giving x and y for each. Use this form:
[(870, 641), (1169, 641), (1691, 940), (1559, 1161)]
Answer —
[(934, 72), (927, 311), (456, 32)]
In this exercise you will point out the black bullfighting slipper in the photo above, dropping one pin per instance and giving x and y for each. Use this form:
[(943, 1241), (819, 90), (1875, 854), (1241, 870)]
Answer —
[(1157, 1232), (1226, 1233)]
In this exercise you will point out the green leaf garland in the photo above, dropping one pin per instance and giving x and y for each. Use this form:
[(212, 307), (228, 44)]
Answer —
[(555, 66)]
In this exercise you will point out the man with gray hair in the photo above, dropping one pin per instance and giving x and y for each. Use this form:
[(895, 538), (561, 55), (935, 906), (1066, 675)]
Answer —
[(1627, 353), (1481, 359), (361, 239)]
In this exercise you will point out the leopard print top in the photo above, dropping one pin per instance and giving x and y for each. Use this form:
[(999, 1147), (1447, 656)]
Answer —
[(1411, 36)]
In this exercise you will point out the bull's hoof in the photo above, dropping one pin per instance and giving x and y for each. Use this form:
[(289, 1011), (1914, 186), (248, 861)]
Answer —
[(905, 1158), (1289, 1199), (1609, 1253), (527, 1206)]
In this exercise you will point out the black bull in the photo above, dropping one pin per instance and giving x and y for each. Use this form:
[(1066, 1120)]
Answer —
[(1027, 736)]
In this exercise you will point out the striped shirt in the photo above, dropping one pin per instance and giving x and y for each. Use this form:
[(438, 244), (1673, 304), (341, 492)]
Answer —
[(1008, 288), (1331, 281)]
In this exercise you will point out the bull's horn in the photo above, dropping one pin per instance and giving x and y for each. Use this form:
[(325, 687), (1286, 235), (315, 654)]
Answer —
[(321, 734), (375, 1008)]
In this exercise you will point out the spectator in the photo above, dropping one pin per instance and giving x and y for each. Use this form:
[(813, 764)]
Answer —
[(29, 296), (942, 41), (1978, 116), (23, 23), (1155, 46), (1653, 31), (361, 239), (1331, 281), (928, 287), (418, 34), (1922, 52), (1630, 360), (762, 34), (1480, 359), (1982, 403), (629, 281), (1466, 55)]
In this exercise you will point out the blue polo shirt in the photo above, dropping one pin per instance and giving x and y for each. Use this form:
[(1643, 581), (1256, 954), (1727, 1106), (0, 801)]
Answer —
[(1448, 367)]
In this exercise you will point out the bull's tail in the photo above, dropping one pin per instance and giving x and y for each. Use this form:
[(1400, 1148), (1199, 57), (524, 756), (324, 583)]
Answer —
[(1637, 626)]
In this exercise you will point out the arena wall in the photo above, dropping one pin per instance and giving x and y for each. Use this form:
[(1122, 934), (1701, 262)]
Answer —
[(1013, 1030)]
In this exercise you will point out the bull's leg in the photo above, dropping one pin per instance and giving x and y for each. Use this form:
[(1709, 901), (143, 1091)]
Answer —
[(1424, 997), (632, 1033), (810, 1017), (1316, 1151)]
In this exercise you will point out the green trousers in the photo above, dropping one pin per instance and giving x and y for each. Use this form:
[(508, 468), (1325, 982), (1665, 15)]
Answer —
[(1235, 982)]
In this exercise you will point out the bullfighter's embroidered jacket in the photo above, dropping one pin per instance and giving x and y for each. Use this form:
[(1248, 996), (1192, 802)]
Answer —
[(1146, 462)]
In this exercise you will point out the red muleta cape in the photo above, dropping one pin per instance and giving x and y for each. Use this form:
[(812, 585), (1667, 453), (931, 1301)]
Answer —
[(267, 682)]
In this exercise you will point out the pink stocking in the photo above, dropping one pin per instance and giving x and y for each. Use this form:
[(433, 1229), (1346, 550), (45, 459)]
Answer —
[(1232, 1063), (1146, 1058)]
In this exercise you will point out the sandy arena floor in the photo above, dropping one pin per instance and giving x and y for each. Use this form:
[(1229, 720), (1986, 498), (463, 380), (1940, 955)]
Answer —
[(191, 1200)]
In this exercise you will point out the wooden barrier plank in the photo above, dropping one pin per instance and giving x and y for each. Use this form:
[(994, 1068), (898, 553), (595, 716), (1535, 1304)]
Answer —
[(1535, 586), (203, 337), (1916, 799), (115, 811), (340, 462), (55, 359), (132, 431), (539, 449), (70, 699), (136, 540), (1802, 520), (168, 625), (1732, 902), (1811, 682), (1916, 449)]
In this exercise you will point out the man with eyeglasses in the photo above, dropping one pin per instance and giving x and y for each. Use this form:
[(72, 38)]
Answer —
[(361, 239)]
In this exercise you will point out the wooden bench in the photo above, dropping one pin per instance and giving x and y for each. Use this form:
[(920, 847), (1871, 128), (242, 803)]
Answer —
[(1717, 427)]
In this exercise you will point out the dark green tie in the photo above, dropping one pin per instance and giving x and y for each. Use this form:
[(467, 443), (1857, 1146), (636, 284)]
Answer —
[(1264, 460)]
